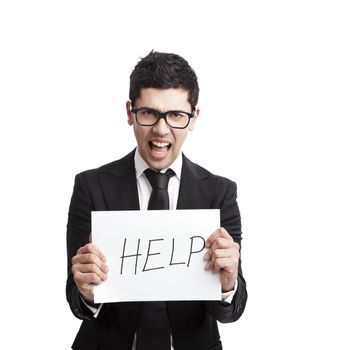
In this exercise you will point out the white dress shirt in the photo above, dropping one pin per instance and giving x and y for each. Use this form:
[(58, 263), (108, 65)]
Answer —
[(144, 189)]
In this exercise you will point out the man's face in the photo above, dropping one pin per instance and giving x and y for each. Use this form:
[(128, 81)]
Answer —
[(159, 145)]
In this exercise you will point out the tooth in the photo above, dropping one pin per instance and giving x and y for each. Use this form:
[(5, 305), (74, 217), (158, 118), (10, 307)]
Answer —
[(160, 144)]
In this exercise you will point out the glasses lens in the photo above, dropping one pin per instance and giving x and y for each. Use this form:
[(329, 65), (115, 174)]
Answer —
[(147, 117), (177, 119)]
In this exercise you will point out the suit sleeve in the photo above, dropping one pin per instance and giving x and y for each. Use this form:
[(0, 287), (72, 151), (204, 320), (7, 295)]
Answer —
[(225, 200), (78, 231)]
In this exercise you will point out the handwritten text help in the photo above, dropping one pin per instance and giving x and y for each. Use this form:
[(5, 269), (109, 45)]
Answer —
[(155, 255)]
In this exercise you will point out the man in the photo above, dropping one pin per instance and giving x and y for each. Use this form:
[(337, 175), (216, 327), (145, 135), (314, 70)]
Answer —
[(162, 110)]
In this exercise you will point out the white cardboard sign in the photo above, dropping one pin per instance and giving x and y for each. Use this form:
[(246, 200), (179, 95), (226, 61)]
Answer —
[(155, 254)]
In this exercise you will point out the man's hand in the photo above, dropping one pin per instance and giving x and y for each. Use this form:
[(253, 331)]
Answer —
[(223, 256), (89, 269)]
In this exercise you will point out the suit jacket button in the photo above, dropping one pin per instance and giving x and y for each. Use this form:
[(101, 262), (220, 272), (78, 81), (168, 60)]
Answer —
[(134, 312)]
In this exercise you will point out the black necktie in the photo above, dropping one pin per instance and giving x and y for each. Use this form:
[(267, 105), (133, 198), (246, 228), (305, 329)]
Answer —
[(159, 181), (153, 332)]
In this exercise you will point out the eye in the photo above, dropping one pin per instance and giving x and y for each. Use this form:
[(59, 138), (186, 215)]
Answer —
[(148, 113), (176, 115)]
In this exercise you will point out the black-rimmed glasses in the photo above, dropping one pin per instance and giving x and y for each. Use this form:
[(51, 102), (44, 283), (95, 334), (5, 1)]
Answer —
[(150, 117)]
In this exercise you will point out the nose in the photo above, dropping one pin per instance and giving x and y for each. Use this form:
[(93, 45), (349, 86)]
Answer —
[(161, 128)]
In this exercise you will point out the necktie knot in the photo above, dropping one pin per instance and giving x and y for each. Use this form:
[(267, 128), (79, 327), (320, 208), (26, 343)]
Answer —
[(159, 181)]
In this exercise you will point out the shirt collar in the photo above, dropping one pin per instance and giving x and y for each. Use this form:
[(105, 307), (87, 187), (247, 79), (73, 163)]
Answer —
[(141, 165)]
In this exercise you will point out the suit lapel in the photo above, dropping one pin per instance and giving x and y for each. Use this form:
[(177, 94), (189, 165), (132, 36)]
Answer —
[(119, 186), (193, 193), (118, 182)]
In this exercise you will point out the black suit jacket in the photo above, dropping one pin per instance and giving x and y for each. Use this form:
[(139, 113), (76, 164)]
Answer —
[(113, 187)]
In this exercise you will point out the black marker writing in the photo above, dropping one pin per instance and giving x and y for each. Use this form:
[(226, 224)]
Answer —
[(129, 256), (172, 255), (197, 251), (149, 254)]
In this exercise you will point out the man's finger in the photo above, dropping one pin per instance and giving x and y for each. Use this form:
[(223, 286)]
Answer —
[(84, 279), (207, 255), (89, 258), (226, 264), (222, 253), (209, 266), (92, 268), (222, 243), (220, 232), (91, 248)]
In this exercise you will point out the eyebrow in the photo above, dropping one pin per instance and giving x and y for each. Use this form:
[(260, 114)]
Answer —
[(157, 110), (146, 107)]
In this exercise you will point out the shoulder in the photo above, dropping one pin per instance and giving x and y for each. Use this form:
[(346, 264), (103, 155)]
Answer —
[(201, 173), (114, 168)]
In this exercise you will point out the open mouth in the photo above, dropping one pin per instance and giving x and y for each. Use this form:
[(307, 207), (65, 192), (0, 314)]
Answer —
[(159, 150)]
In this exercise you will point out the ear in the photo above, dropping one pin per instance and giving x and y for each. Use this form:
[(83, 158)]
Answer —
[(129, 113), (194, 119)]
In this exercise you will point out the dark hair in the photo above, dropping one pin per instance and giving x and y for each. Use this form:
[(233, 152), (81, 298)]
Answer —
[(164, 70)]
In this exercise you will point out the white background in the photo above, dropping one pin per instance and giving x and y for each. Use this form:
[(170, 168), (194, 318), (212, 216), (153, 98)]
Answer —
[(275, 84)]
